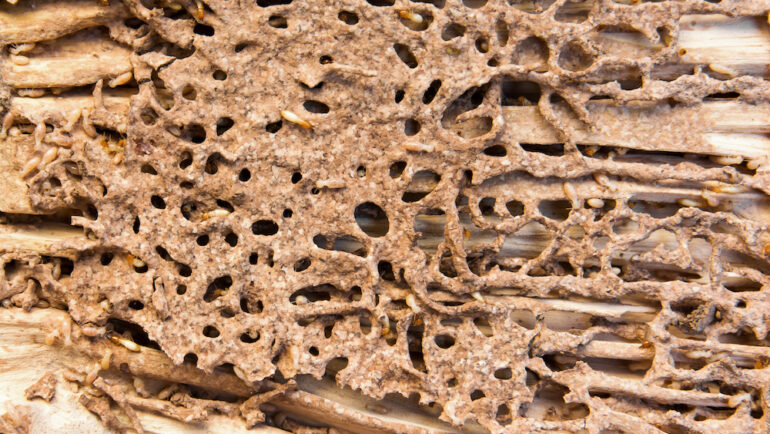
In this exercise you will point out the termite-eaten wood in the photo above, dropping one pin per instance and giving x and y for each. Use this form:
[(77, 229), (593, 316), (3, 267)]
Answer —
[(735, 134)]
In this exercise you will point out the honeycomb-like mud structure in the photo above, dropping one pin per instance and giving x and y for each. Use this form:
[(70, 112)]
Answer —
[(302, 183)]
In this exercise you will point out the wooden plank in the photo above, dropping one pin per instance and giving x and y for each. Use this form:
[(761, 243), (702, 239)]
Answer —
[(78, 60), (741, 44), (57, 110), (318, 402), (41, 238), (650, 126), (25, 358), (30, 21), (524, 124)]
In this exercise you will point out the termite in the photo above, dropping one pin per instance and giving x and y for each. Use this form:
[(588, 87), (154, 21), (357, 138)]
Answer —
[(128, 344), (97, 94), (19, 60), (411, 16), (330, 183), (412, 303), (418, 147), (215, 213), (293, 118), (120, 80), (595, 202), (30, 166)]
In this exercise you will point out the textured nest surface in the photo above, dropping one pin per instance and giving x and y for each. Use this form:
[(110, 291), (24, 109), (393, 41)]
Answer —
[(301, 184)]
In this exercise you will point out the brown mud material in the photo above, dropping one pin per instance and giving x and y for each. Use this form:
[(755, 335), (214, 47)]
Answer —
[(278, 189), (44, 388)]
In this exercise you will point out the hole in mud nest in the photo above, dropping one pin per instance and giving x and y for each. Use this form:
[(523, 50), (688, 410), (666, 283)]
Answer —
[(210, 332), (158, 202), (203, 30), (371, 219), (223, 125), (444, 341), (273, 127), (347, 17), (106, 258), (231, 239), (452, 31), (411, 127), (406, 55), (249, 338), (189, 92), (186, 160), (302, 265), (431, 92), (264, 227), (278, 22), (495, 151), (313, 106)]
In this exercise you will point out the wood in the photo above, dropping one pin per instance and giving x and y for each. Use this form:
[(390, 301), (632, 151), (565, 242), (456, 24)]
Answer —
[(729, 127), (30, 359)]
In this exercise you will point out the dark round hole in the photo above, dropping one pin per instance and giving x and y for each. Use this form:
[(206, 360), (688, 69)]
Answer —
[(273, 127), (347, 17), (223, 125), (444, 341), (302, 265), (106, 258), (250, 338), (397, 168), (146, 168), (211, 164), (287, 213), (158, 202), (411, 127), (495, 151), (503, 373), (210, 332), (371, 219), (186, 160), (185, 270), (203, 30), (189, 92), (264, 227), (313, 106), (231, 239), (296, 177), (195, 133), (136, 305), (244, 175)]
